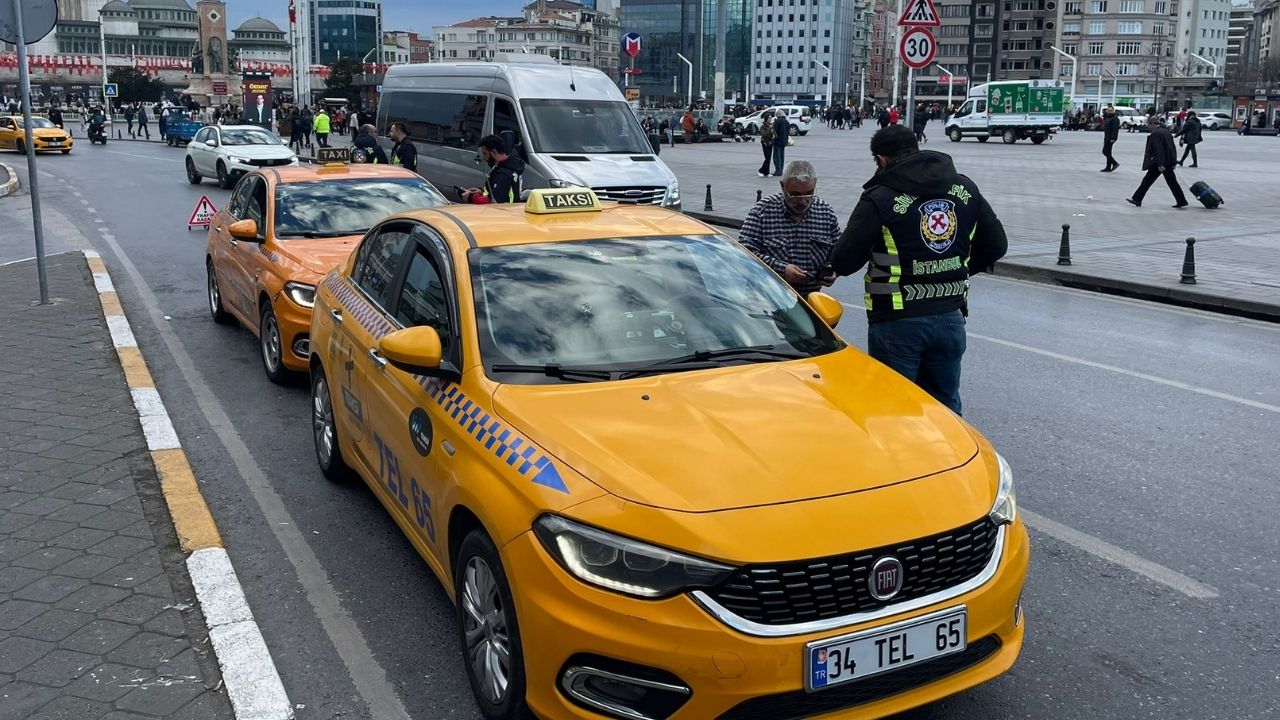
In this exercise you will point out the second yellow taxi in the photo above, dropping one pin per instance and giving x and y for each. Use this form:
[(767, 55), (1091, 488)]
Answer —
[(653, 479), (45, 136)]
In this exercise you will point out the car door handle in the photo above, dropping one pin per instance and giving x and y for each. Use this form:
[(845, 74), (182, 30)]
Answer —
[(377, 357), (218, 228), (336, 313), (233, 243)]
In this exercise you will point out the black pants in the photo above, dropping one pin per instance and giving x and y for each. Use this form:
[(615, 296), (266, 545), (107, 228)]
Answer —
[(1169, 177), (1106, 153), (1191, 149), (768, 156), (142, 130)]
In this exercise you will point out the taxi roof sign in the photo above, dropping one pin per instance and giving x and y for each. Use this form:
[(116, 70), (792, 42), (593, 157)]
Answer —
[(546, 201), (330, 155)]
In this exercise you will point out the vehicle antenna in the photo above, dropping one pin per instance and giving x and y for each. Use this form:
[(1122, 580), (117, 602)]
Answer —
[(571, 86)]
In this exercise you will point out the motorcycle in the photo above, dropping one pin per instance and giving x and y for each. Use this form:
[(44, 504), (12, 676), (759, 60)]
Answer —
[(97, 134)]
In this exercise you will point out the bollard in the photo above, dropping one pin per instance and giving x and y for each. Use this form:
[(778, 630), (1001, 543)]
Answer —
[(1064, 250), (758, 194), (1189, 263), (708, 207)]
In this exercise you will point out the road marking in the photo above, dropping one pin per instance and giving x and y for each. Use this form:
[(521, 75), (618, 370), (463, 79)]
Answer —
[(366, 674), (249, 674), (33, 259), (144, 157), (1151, 570), (1132, 373)]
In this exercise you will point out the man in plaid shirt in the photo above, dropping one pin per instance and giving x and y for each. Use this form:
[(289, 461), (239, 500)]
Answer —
[(793, 232)]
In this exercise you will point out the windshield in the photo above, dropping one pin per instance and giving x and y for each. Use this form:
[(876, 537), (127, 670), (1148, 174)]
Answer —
[(248, 137), (623, 304), (584, 126), (347, 207), (37, 123)]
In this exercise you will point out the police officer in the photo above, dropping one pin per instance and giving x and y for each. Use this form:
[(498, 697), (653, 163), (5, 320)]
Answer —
[(923, 229), (503, 183), (405, 153), (366, 149)]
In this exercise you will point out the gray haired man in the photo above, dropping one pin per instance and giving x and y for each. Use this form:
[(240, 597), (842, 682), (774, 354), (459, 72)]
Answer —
[(794, 231)]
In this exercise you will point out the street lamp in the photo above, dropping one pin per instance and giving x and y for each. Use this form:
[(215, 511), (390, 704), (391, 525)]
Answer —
[(1114, 80), (824, 67), (1211, 63), (690, 85), (1075, 64), (950, 84)]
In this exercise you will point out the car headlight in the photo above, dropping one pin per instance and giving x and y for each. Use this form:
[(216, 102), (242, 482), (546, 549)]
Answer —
[(558, 183), (624, 565), (301, 293), (241, 160), (1005, 509)]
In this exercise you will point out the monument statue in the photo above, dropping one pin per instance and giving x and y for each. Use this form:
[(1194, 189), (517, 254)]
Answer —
[(197, 62), (233, 58), (215, 55)]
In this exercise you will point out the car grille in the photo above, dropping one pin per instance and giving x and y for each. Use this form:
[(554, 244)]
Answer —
[(808, 590), (636, 195), (273, 162), (800, 704)]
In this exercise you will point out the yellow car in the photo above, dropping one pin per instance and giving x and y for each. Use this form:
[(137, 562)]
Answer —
[(653, 479), (45, 136)]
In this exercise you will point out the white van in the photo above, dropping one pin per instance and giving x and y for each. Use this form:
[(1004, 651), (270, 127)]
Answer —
[(571, 126), (797, 115)]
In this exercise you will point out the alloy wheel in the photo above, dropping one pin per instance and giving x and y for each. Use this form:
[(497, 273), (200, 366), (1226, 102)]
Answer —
[(322, 421), (488, 642), (270, 341)]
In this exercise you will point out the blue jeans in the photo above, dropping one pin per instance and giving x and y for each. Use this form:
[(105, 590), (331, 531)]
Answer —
[(779, 150), (926, 350)]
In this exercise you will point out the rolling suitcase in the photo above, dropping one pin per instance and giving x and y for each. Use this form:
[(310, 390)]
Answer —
[(1207, 195)]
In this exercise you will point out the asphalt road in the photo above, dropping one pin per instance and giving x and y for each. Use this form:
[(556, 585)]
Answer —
[(1142, 438)]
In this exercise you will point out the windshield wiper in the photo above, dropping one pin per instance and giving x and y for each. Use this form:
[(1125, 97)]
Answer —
[(556, 370), (704, 359)]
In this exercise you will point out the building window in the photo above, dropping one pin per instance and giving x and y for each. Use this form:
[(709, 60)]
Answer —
[(1162, 7), (1098, 6), (1133, 6), (1071, 7), (1097, 28), (1094, 48), (982, 31), (1128, 48), (1070, 48), (1070, 28), (1129, 28), (1093, 68)]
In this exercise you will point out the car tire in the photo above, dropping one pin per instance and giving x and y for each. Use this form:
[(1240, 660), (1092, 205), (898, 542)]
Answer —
[(983, 138), (324, 429), (20, 147), (217, 312), (66, 152), (193, 175), (485, 607), (954, 134), (225, 181), (1009, 137), (794, 131), (271, 347), (753, 129), (804, 132), (1037, 140)]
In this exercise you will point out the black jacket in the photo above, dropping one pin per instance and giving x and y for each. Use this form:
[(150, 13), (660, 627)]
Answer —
[(1160, 152), (928, 261), (503, 184), (405, 153), (1191, 131), (1111, 128), (367, 147)]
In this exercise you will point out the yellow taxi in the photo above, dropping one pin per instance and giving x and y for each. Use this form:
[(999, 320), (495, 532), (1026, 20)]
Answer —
[(45, 136), (652, 478), (279, 233)]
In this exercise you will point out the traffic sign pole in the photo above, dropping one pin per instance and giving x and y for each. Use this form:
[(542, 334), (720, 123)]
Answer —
[(911, 98), (24, 89)]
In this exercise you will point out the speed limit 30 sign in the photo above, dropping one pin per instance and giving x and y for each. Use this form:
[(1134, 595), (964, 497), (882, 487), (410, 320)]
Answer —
[(917, 48)]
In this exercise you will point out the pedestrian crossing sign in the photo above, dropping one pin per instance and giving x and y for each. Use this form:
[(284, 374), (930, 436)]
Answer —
[(920, 13), (203, 214)]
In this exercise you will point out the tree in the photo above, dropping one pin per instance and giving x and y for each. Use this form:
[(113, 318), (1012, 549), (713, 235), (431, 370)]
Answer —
[(340, 83), (134, 86)]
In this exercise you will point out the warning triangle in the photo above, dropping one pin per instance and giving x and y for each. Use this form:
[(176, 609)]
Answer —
[(203, 214), (920, 13)]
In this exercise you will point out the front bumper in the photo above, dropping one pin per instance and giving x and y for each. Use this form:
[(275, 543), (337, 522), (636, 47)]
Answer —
[(50, 145), (562, 618), (295, 333)]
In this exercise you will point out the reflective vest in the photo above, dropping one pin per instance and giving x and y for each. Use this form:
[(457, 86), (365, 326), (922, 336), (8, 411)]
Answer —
[(920, 266), (322, 123)]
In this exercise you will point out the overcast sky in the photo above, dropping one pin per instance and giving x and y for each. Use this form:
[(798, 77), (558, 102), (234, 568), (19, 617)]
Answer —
[(414, 15)]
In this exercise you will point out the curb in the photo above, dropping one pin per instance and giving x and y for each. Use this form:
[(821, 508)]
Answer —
[(12, 185), (253, 684)]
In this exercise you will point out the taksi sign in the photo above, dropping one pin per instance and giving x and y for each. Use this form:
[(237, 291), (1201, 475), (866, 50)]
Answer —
[(631, 44), (920, 13), (917, 48)]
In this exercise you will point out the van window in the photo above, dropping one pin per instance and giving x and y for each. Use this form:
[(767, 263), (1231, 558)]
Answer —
[(505, 119), (448, 119), (584, 126), (980, 106)]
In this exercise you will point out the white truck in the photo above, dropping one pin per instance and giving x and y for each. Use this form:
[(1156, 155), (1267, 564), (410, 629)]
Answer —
[(1011, 110)]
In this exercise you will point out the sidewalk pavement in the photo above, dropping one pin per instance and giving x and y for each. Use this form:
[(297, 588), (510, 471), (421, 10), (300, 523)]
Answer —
[(97, 617)]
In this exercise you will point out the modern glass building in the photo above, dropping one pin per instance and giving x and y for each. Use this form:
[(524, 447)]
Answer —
[(344, 29), (688, 27)]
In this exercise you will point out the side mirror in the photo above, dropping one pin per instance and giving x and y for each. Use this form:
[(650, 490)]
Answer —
[(827, 307), (244, 230), (414, 350), (211, 142)]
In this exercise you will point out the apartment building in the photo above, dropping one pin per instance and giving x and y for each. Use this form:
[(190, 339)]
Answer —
[(792, 38), (1027, 29), (1241, 48), (563, 30), (1266, 29), (1203, 30)]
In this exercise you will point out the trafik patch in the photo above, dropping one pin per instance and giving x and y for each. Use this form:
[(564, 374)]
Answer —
[(938, 224)]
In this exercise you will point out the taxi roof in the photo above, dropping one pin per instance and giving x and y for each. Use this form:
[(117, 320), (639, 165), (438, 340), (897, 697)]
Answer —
[(318, 173), (509, 224)]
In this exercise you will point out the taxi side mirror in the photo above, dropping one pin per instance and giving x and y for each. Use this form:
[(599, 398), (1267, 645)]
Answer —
[(827, 307), (414, 350), (244, 230)]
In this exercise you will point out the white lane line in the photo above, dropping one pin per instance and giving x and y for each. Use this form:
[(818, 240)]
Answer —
[(1132, 373), (144, 157), (1151, 570), (248, 671), (121, 333), (32, 259), (156, 425)]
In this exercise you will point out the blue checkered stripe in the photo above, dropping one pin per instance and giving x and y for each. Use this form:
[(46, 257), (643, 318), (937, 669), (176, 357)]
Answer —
[(494, 436)]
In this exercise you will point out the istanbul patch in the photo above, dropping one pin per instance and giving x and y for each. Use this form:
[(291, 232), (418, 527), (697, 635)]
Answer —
[(938, 224)]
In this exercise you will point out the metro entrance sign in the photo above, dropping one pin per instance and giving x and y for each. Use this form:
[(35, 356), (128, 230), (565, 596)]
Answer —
[(917, 48)]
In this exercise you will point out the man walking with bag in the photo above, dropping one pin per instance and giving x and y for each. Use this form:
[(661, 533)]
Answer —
[(1159, 159), (1190, 134)]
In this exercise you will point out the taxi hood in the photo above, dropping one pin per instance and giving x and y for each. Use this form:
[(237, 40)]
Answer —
[(744, 436), (320, 255)]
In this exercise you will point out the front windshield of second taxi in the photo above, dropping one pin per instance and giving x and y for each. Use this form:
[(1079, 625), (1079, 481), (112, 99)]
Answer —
[(37, 123), (621, 304), (248, 137), (346, 207), (590, 127)]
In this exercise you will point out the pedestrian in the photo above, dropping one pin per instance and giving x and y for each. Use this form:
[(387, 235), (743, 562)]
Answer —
[(503, 183), (920, 121), (55, 117), (295, 129), (1190, 134), (1159, 159), (882, 117), (894, 115), (142, 121), (162, 120), (306, 120), (404, 153), (686, 125), (1110, 133), (794, 231), (766, 145), (781, 136), (128, 118), (923, 229), (664, 132), (322, 128), (366, 149)]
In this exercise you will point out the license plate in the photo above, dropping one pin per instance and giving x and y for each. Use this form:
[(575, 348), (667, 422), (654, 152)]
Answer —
[(55, 143), (853, 657)]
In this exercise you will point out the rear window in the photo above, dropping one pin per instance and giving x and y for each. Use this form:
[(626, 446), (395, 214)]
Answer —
[(347, 207)]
